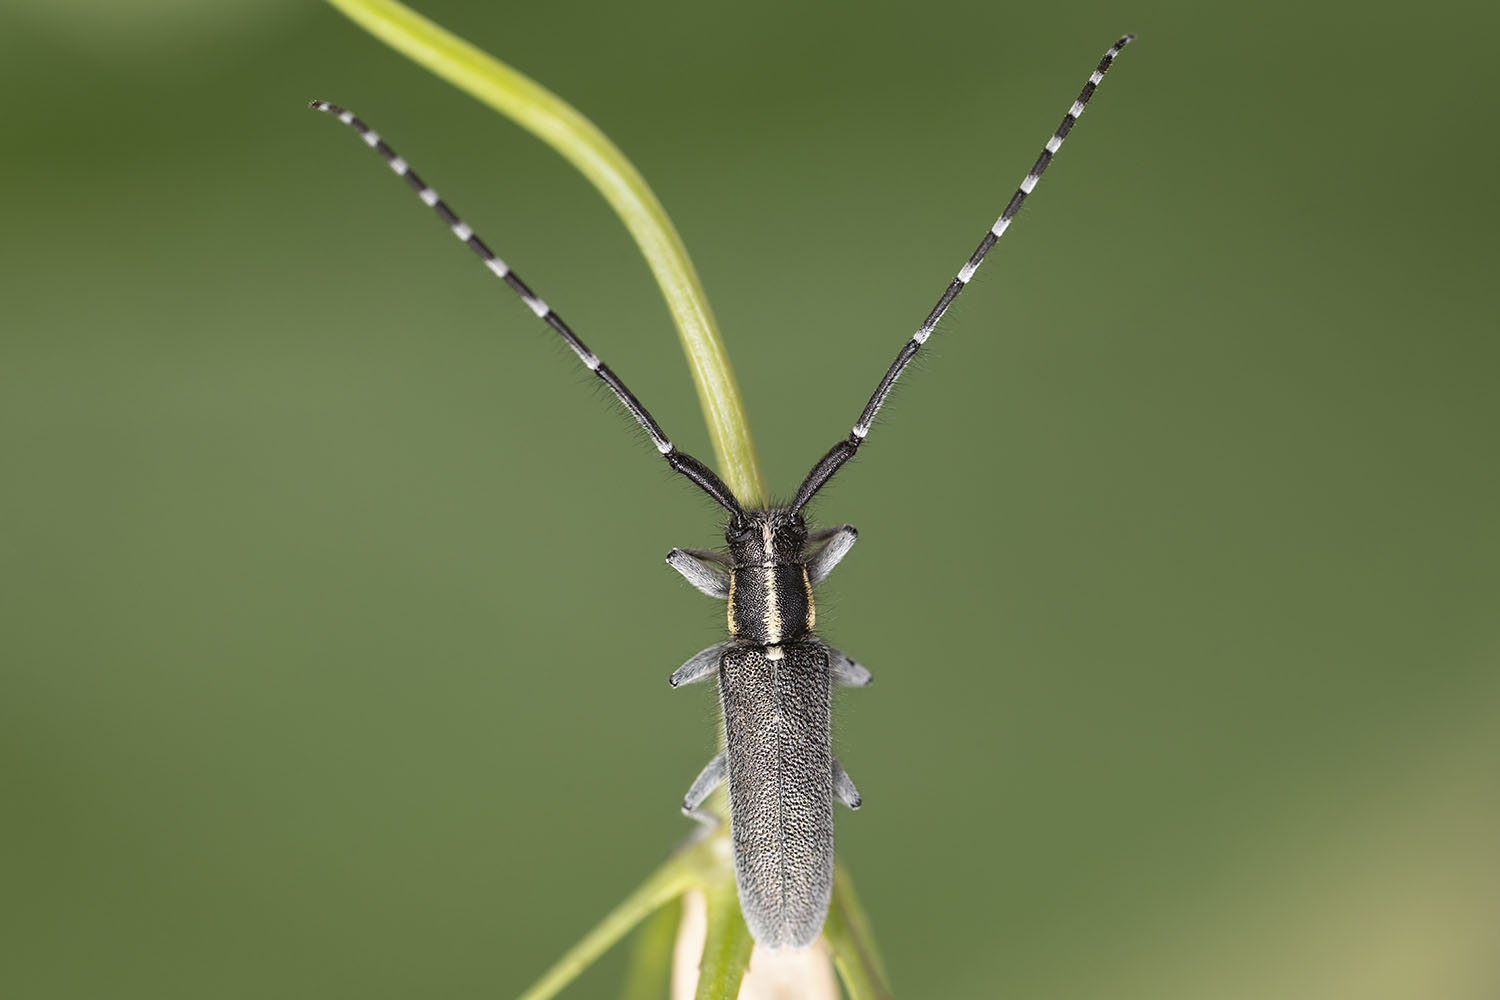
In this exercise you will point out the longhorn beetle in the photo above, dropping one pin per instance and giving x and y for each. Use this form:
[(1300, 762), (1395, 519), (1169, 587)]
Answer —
[(775, 674)]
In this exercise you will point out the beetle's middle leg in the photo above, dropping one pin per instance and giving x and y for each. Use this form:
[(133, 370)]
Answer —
[(845, 671), (700, 666)]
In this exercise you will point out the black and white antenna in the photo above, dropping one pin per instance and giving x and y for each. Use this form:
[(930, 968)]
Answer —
[(844, 450), (701, 475)]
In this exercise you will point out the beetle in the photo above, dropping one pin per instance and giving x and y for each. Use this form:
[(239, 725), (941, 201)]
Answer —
[(774, 673)]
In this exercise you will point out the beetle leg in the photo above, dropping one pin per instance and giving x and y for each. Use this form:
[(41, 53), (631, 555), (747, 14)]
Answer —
[(837, 545), (846, 672), (700, 666), (703, 569), (843, 787), (711, 777)]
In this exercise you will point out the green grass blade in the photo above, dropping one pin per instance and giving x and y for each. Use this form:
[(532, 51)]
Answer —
[(557, 123), (662, 886), (848, 933), (726, 949), (648, 976)]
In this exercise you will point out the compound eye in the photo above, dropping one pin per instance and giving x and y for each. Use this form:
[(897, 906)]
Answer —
[(793, 532)]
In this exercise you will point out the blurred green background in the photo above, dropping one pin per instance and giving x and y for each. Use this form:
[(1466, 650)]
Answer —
[(335, 625)]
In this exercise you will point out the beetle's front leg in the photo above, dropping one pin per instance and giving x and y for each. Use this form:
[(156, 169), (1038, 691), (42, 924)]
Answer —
[(836, 543), (702, 568)]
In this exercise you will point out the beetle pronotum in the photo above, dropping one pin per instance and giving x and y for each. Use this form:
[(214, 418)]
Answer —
[(775, 674)]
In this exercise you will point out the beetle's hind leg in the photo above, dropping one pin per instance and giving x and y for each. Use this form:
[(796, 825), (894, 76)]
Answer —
[(843, 787), (711, 777)]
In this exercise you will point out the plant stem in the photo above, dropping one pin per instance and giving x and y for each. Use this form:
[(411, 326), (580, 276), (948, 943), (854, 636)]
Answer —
[(705, 865), (727, 948), (562, 127), (649, 972), (849, 935)]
